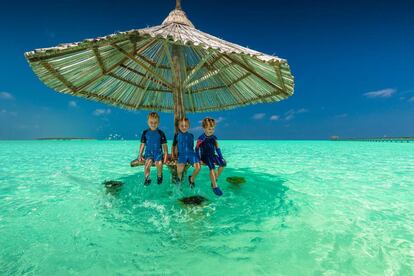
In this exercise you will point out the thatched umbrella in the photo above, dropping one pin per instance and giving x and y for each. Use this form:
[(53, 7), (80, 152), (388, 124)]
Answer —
[(171, 67)]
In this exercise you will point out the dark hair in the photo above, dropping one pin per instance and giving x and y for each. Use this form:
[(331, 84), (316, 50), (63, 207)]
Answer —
[(207, 121), (184, 119), (154, 115)]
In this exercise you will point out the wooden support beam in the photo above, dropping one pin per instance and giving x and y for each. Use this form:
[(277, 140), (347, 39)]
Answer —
[(240, 79), (153, 63), (221, 86), (279, 75), (197, 67), (216, 59), (110, 69), (245, 67), (146, 80), (246, 102), (209, 74), (233, 92), (59, 76), (206, 89), (106, 99), (58, 53), (150, 70), (136, 84), (178, 95), (174, 59), (144, 75), (99, 59)]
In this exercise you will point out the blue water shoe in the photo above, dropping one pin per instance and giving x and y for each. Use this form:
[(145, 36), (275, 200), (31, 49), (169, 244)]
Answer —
[(217, 191), (192, 184), (159, 180)]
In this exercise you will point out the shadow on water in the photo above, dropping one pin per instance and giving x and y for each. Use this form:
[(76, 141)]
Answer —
[(167, 207)]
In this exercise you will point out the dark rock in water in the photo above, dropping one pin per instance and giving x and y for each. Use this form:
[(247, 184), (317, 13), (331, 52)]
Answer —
[(193, 200), (113, 184), (236, 180)]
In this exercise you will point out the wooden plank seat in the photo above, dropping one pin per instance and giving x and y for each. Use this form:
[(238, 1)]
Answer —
[(170, 163)]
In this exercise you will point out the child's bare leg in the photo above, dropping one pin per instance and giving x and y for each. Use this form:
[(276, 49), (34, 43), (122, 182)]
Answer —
[(220, 169), (158, 164), (180, 168), (213, 178), (159, 171), (148, 164), (197, 168)]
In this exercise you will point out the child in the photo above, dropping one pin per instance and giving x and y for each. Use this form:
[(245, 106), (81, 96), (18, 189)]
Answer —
[(154, 142), (184, 143), (208, 145)]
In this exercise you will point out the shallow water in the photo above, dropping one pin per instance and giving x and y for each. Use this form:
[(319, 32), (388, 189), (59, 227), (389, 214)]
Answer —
[(307, 207)]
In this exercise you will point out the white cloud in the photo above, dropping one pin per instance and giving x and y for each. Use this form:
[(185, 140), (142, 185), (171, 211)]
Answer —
[(274, 118), (384, 93), (219, 119), (102, 112), (292, 113), (259, 116), (6, 112), (343, 115), (6, 96), (197, 128), (72, 104)]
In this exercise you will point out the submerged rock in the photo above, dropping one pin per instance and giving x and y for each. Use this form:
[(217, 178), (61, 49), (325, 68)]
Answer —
[(236, 180), (193, 200), (113, 184)]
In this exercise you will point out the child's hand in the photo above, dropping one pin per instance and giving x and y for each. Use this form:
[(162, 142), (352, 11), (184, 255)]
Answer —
[(141, 159)]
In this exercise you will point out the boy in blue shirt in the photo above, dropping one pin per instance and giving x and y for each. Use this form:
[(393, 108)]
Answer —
[(207, 147), (184, 143), (154, 142)]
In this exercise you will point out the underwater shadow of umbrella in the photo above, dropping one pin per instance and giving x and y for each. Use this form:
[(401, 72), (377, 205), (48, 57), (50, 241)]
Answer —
[(261, 196)]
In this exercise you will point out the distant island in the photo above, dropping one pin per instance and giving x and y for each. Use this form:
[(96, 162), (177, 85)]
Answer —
[(64, 138)]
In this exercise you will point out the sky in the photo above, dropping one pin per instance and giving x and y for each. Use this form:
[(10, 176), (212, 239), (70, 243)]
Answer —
[(353, 63)]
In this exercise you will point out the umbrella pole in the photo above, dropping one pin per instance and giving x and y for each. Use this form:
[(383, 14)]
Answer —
[(178, 75), (178, 98)]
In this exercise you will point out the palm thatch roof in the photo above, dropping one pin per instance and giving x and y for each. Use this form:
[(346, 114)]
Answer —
[(137, 69)]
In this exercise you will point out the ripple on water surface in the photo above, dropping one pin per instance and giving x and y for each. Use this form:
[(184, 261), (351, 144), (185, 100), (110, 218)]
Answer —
[(307, 207)]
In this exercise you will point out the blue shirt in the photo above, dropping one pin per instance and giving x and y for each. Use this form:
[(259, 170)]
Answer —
[(153, 140), (184, 142), (207, 145)]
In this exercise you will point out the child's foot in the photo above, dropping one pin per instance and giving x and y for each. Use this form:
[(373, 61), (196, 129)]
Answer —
[(217, 191), (159, 180), (192, 184), (147, 181)]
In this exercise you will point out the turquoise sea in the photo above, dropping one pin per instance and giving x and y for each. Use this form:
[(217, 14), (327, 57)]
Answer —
[(307, 208)]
